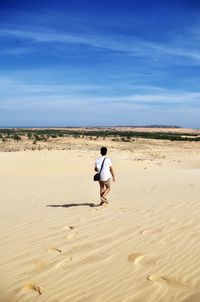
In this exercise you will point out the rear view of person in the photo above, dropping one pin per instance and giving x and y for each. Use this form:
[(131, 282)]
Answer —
[(104, 165)]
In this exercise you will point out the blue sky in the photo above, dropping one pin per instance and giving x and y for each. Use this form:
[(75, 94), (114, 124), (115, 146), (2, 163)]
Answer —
[(88, 63)]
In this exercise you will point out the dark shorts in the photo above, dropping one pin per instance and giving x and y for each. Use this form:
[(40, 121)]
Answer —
[(106, 183)]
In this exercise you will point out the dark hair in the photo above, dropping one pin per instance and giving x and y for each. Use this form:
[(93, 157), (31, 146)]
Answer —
[(103, 151)]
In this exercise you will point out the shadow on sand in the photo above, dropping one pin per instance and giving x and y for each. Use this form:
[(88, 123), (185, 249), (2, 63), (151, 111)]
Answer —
[(69, 205)]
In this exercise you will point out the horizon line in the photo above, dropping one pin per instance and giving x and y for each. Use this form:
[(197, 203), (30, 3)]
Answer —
[(98, 126)]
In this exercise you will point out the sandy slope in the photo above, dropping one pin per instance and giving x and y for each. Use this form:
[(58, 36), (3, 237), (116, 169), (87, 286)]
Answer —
[(57, 246)]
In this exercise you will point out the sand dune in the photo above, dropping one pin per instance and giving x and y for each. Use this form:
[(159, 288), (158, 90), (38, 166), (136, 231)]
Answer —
[(57, 245)]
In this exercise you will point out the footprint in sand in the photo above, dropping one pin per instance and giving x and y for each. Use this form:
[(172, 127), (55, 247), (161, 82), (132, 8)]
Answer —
[(33, 287), (167, 281), (69, 227), (142, 259), (145, 231), (40, 265), (63, 262), (149, 231), (72, 235), (54, 249)]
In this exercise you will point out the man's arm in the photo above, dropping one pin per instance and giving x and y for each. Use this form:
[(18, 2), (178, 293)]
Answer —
[(112, 173)]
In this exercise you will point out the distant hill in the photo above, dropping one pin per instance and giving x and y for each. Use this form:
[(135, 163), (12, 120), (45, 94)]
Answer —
[(153, 126), (162, 126)]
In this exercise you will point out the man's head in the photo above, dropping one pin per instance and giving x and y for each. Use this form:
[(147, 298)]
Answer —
[(103, 151)]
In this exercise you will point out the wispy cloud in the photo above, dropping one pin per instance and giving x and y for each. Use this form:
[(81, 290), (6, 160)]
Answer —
[(124, 44), (14, 86), (18, 93)]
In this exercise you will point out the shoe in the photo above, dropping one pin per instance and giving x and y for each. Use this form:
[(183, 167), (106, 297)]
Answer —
[(104, 199)]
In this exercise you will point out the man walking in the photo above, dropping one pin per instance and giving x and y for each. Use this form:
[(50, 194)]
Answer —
[(104, 165)]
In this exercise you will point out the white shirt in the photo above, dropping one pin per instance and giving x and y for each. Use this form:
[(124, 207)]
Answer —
[(105, 172)]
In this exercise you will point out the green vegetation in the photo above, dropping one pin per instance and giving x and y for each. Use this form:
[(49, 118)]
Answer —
[(115, 135), (16, 137)]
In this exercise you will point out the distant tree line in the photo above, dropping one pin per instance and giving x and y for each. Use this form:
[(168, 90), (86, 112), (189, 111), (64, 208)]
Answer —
[(126, 136)]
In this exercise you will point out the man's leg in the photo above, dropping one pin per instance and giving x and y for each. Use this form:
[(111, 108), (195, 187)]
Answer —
[(105, 189), (102, 188)]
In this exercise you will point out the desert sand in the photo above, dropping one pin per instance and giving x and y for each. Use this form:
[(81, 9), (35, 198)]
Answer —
[(57, 245)]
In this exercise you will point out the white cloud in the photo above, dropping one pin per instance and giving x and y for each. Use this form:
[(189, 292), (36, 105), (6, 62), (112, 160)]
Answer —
[(124, 44), (11, 87)]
